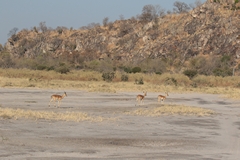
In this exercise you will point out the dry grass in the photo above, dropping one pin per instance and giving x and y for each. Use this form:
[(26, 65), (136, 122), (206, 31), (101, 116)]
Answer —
[(172, 110), (213, 81), (92, 81), (37, 75), (8, 113)]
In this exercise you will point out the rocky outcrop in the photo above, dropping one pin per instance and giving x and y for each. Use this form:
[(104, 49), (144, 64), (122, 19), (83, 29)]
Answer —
[(230, 4), (211, 28)]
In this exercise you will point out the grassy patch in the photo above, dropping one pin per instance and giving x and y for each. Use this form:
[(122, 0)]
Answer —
[(92, 81), (8, 113), (172, 110)]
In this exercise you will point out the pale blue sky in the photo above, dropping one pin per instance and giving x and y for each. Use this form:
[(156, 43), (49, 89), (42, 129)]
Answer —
[(25, 14)]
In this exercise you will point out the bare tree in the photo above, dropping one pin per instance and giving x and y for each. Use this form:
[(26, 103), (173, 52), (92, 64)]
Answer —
[(35, 29), (60, 29), (161, 11), (151, 12), (196, 4), (12, 32), (169, 12), (148, 13), (121, 17), (1, 47), (13, 35), (180, 7), (43, 27), (105, 21), (93, 25)]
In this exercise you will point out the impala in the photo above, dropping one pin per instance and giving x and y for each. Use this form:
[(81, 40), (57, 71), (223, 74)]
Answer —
[(140, 97), (162, 98), (58, 98)]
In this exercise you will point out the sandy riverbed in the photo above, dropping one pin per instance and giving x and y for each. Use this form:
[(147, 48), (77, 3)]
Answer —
[(130, 137)]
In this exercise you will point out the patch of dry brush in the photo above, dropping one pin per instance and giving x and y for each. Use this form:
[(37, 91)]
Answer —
[(8, 113), (172, 110), (92, 81)]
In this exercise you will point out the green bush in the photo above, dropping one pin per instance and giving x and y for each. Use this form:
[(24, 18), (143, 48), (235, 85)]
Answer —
[(108, 76), (41, 67), (223, 72), (190, 73), (158, 73), (127, 69), (50, 68), (136, 70), (62, 69)]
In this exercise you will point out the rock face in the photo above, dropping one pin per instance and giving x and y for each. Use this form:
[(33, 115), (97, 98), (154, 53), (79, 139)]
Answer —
[(230, 4), (211, 28), (222, 1)]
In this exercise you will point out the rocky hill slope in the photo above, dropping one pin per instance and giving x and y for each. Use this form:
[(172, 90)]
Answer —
[(212, 29)]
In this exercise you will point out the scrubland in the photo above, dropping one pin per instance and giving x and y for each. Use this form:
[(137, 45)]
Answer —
[(92, 81)]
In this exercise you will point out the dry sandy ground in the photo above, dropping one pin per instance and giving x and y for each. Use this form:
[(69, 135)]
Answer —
[(128, 137)]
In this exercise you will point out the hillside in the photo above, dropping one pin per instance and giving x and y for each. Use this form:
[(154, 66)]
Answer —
[(197, 40)]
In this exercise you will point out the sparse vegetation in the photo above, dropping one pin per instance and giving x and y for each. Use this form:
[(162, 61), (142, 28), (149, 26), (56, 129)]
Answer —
[(108, 76), (93, 81), (127, 69), (124, 78), (138, 41), (9, 113), (139, 81), (190, 73), (172, 110), (136, 70), (62, 69), (151, 13), (180, 7), (170, 49), (105, 21), (13, 32)]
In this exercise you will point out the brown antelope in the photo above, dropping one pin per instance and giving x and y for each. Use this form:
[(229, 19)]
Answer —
[(58, 98), (162, 98), (140, 97)]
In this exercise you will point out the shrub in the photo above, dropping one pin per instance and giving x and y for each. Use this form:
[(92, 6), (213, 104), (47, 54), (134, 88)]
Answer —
[(1, 48), (194, 85), (170, 81), (238, 85), (62, 69), (6, 60), (190, 73), (105, 21), (124, 78), (158, 72), (198, 63), (136, 70), (50, 68), (108, 76), (225, 58), (41, 67), (124, 29), (139, 81), (127, 69), (223, 72)]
